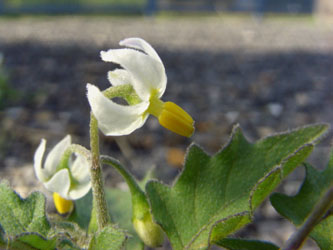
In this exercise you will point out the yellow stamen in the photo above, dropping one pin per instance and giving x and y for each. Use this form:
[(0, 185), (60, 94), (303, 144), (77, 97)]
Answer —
[(176, 119), (62, 205), (172, 117)]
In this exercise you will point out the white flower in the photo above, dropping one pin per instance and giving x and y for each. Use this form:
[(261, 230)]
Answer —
[(145, 71), (70, 182)]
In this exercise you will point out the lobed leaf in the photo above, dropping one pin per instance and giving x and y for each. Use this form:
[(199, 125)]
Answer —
[(297, 208), (24, 224), (19, 215), (32, 241), (216, 195), (109, 238)]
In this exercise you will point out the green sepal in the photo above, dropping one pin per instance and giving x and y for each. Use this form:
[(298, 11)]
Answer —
[(125, 91)]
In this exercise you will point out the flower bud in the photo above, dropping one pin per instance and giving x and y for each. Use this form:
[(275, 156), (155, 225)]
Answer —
[(149, 232)]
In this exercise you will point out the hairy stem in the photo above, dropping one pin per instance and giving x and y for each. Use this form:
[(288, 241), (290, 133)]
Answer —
[(97, 183), (297, 239), (100, 210)]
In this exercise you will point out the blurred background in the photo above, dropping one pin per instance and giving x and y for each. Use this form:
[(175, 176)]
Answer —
[(265, 64)]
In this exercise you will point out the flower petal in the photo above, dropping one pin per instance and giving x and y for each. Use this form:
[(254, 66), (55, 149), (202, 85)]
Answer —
[(80, 169), (38, 158), (115, 119), (138, 43), (81, 173), (79, 191), (147, 73), (119, 77), (59, 183), (53, 158)]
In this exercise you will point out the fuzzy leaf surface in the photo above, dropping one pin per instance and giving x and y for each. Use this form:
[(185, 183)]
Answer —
[(109, 238), (216, 195), (19, 215), (297, 208), (32, 241), (23, 222), (244, 244)]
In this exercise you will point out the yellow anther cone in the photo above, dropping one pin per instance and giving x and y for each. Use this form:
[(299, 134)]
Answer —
[(172, 117), (62, 205), (176, 119)]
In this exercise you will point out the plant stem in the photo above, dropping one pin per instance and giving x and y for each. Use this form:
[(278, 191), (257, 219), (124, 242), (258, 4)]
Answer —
[(100, 205), (149, 232), (136, 191), (140, 206), (97, 183), (297, 239), (93, 226)]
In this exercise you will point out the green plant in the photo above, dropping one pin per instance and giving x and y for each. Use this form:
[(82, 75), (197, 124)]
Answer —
[(213, 197)]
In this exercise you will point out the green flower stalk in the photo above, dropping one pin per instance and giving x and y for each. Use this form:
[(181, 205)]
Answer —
[(149, 232)]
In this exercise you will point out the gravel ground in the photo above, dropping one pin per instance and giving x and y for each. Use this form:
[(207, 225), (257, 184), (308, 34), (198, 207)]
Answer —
[(269, 75)]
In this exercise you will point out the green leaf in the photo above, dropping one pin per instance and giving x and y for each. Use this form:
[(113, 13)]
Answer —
[(215, 196), (109, 238), (19, 215), (32, 241), (245, 244), (298, 207), (24, 225), (62, 229)]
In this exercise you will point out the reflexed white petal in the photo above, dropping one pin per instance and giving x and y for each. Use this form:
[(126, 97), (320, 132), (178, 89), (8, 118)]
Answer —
[(119, 77), (138, 43), (81, 173), (54, 157), (80, 169), (115, 119), (59, 183), (79, 191), (38, 158), (147, 73)]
